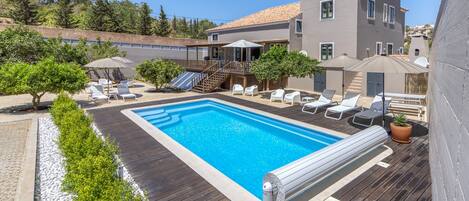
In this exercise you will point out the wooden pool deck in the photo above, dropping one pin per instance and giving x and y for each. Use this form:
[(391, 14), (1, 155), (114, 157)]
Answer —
[(164, 177)]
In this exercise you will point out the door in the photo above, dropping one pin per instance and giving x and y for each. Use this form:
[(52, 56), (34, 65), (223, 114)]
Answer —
[(320, 81), (374, 84)]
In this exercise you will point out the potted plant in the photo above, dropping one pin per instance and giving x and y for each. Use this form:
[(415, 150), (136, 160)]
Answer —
[(401, 130)]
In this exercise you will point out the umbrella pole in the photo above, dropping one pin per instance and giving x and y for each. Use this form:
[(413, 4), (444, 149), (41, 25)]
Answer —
[(383, 98), (108, 79), (343, 83)]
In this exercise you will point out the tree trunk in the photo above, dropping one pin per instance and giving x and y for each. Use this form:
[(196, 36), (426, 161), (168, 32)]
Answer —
[(268, 85), (35, 102)]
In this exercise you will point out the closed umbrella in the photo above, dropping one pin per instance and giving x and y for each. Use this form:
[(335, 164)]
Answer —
[(341, 62), (386, 65), (106, 64)]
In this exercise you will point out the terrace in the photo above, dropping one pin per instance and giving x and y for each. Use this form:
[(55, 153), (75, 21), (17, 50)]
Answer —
[(404, 175)]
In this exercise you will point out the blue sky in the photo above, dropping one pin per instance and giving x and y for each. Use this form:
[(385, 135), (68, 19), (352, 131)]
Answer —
[(420, 11)]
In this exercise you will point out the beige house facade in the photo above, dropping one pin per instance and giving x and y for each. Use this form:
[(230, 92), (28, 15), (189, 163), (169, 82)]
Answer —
[(323, 29)]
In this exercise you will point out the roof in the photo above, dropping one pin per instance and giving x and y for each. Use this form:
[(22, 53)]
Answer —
[(76, 34), (271, 15)]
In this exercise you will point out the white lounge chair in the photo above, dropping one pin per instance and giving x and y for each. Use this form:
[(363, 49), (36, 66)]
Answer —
[(292, 98), (124, 92), (251, 91), (375, 111), (277, 95), (97, 95), (237, 90), (349, 103), (105, 82), (324, 100), (128, 83)]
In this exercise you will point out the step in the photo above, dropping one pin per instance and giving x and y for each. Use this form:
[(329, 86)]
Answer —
[(174, 119), (161, 120), (156, 116), (150, 112)]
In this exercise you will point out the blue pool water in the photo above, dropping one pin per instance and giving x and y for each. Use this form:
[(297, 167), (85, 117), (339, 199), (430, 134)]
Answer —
[(242, 145)]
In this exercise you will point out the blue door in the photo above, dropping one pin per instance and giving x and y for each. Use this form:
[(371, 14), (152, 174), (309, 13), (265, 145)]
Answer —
[(374, 84), (320, 81)]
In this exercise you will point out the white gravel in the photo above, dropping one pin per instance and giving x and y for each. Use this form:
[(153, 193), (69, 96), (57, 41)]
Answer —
[(50, 164)]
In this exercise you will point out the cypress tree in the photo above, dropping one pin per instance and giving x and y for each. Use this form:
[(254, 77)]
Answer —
[(145, 20), (64, 14), (163, 28), (99, 20), (174, 24), (23, 11)]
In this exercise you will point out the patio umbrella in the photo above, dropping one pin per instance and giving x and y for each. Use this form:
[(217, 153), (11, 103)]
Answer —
[(386, 65), (123, 60), (342, 61), (242, 44), (106, 64)]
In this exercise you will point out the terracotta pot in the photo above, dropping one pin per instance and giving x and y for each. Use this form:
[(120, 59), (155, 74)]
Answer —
[(401, 134)]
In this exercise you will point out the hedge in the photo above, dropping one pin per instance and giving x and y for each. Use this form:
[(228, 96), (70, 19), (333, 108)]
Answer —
[(90, 163)]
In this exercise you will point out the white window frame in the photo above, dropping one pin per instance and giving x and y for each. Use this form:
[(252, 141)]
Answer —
[(392, 20), (385, 13), (214, 34), (380, 52), (392, 44), (326, 43), (296, 24), (368, 9), (320, 10)]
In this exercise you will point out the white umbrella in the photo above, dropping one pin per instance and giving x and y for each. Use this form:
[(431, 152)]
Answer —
[(386, 64), (342, 61), (242, 44), (106, 64), (123, 60)]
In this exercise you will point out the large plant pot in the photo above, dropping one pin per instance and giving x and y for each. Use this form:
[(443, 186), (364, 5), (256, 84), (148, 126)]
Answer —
[(401, 134)]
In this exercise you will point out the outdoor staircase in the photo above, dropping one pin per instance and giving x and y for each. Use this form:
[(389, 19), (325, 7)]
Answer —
[(355, 85), (210, 79), (160, 118)]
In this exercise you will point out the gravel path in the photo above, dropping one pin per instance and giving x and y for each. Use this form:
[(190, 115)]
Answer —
[(13, 137)]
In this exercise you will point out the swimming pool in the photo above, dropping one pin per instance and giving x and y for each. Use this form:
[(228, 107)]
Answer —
[(241, 144)]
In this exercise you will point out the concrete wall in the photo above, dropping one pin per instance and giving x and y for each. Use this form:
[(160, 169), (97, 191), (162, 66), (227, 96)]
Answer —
[(420, 43), (372, 31), (342, 30), (449, 99), (259, 33), (295, 41)]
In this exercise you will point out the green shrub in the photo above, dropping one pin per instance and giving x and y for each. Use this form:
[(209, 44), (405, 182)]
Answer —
[(91, 168), (159, 72)]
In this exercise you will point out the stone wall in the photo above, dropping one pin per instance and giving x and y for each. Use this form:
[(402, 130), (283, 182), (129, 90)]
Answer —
[(449, 103)]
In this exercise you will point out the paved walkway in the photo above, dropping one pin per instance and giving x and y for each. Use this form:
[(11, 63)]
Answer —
[(13, 137)]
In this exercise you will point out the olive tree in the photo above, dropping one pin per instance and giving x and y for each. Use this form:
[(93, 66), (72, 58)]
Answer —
[(159, 72), (298, 65), (46, 76), (267, 68)]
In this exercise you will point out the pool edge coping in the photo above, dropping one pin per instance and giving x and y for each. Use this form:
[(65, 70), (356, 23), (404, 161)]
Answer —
[(220, 181)]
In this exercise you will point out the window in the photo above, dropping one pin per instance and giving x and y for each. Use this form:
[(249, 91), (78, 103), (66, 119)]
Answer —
[(327, 51), (298, 26), (327, 9), (390, 49), (417, 52), (392, 14), (401, 50), (385, 13), (215, 52), (379, 48), (371, 9), (215, 37)]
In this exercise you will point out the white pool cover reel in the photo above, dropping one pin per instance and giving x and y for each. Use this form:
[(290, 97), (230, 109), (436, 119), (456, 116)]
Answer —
[(290, 180)]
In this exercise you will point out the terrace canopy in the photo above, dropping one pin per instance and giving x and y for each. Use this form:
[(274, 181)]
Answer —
[(106, 64), (243, 44), (386, 65), (339, 63)]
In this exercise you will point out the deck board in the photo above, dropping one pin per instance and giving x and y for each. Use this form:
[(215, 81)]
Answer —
[(165, 177)]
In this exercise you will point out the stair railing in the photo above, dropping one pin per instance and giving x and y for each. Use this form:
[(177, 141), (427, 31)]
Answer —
[(205, 73), (223, 70)]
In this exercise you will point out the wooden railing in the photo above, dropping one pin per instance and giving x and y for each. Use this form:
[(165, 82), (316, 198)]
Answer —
[(194, 64), (205, 73), (223, 71), (239, 67)]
